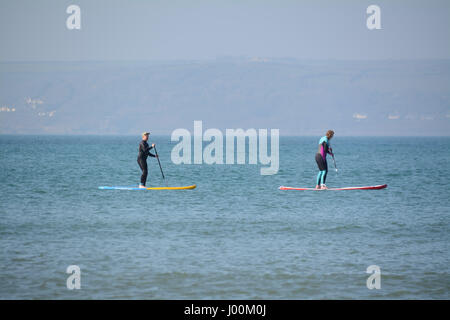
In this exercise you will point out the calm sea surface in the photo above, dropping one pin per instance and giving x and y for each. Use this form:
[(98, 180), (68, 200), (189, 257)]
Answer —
[(234, 237)]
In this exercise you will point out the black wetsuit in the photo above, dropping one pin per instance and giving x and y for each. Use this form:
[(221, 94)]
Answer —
[(144, 152)]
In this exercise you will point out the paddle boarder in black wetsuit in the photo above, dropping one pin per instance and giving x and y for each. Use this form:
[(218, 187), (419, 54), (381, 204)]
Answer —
[(144, 152)]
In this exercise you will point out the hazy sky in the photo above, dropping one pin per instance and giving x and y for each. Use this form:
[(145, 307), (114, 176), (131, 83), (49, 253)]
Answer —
[(35, 30), (387, 95)]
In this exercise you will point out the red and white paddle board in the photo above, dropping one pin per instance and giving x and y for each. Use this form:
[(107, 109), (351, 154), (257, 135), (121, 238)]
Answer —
[(381, 186)]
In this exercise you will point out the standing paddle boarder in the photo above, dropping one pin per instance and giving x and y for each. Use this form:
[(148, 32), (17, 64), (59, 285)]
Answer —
[(321, 159), (144, 152)]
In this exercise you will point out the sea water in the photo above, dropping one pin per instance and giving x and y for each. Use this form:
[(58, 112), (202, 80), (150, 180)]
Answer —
[(236, 236)]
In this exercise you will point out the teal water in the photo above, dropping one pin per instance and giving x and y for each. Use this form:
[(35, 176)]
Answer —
[(234, 237)]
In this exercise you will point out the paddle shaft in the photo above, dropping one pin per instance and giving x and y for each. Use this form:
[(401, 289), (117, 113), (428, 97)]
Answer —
[(334, 161), (159, 162)]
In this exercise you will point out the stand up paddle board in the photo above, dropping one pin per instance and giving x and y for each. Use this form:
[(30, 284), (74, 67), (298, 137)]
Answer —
[(381, 186), (150, 188)]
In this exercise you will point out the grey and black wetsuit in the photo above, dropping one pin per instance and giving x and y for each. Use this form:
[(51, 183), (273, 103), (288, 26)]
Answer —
[(144, 152)]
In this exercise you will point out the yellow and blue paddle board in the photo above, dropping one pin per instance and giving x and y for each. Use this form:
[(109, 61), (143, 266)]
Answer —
[(149, 188)]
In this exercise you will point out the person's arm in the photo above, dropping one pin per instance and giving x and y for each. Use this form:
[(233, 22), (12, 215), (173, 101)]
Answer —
[(149, 153)]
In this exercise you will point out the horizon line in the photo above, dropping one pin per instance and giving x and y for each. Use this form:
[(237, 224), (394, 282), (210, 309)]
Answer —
[(229, 58), (168, 134)]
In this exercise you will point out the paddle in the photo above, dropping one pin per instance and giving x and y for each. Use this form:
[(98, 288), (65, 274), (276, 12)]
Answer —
[(334, 161), (157, 157)]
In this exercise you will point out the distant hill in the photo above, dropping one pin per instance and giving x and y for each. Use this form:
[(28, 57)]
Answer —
[(297, 97)]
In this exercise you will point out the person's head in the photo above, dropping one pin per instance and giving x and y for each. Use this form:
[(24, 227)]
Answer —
[(330, 134), (145, 136)]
